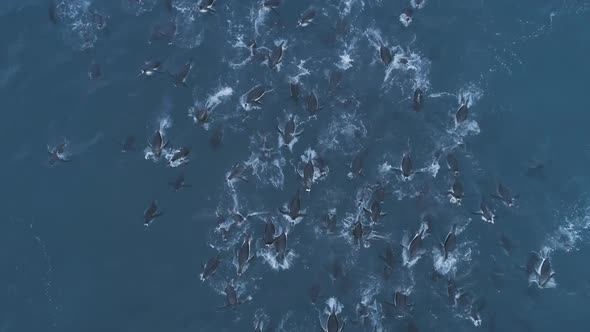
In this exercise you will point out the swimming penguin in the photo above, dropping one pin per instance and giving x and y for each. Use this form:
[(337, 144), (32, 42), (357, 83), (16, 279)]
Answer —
[(179, 183), (181, 77), (280, 244), (450, 242), (57, 154), (308, 174), (385, 54), (206, 6), (412, 327), (128, 144), (150, 67), (269, 232), (388, 257), (312, 103), (203, 116), (406, 16), (94, 72), (532, 263), (544, 273), (254, 96), (216, 137), (166, 32), (157, 144), (462, 112), (328, 221), (485, 212), (400, 303), (237, 173), (333, 324), (151, 213), (418, 100), (244, 255), (294, 90), (52, 11), (180, 156), (306, 18), (271, 4), (210, 267), (231, 297), (289, 133), (504, 194), (456, 192), (357, 232), (415, 246), (379, 192), (276, 56), (375, 211), (334, 81), (356, 165), (314, 293), (294, 210), (453, 163)]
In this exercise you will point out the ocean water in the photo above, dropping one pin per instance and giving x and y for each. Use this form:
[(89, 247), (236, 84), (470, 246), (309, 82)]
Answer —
[(76, 255)]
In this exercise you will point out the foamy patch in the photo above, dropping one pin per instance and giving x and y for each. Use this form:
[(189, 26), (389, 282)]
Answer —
[(266, 163), (189, 34), (405, 19), (138, 7), (83, 24), (343, 132), (271, 257), (418, 4), (168, 154), (218, 97), (345, 61)]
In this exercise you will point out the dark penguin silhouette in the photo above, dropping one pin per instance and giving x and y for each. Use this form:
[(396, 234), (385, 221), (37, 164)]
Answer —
[(157, 144), (306, 18), (269, 232), (179, 183), (150, 68), (453, 163), (52, 12), (456, 190), (244, 255), (237, 173), (127, 144), (57, 154), (280, 244), (417, 100), (181, 155), (375, 211), (254, 96), (450, 242), (206, 6), (271, 4), (307, 176), (334, 81), (216, 138), (485, 211), (294, 208), (462, 112), (312, 103), (231, 297), (385, 55), (210, 267), (289, 133), (151, 213), (504, 194), (333, 324), (401, 303), (356, 165), (181, 77), (276, 55), (294, 90)]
